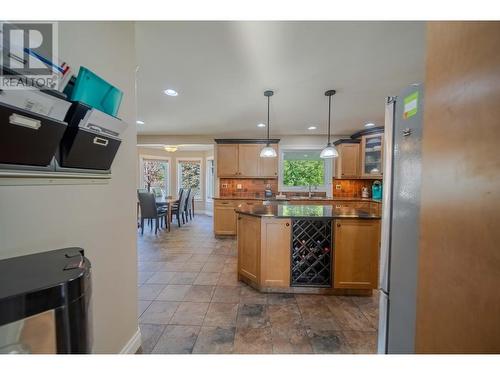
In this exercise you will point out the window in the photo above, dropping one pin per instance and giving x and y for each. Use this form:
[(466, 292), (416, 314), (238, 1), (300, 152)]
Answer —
[(300, 169), (155, 175), (189, 176), (210, 178)]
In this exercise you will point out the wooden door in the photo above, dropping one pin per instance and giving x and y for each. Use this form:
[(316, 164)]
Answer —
[(249, 247), (458, 303), (268, 167), (248, 160), (224, 218), (348, 162), (276, 253), (227, 160), (357, 244)]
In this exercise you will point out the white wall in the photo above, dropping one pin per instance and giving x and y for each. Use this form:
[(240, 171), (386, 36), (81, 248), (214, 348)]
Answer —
[(200, 205), (98, 218)]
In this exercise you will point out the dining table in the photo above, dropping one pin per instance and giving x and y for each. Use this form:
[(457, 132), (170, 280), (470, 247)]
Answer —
[(168, 202)]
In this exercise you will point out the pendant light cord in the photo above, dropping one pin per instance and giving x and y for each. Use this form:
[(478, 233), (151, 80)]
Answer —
[(268, 125), (329, 116)]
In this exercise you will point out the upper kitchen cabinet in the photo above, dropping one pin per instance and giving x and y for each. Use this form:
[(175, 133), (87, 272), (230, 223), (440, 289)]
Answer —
[(248, 160), (227, 160), (347, 165), (371, 152), (268, 167), (241, 159), (372, 155)]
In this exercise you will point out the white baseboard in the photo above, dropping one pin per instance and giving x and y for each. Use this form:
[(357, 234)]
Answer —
[(133, 344)]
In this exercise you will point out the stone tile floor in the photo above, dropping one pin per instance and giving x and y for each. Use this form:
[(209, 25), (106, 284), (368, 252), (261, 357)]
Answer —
[(190, 301)]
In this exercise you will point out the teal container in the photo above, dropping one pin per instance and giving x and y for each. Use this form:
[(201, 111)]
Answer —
[(377, 190), (96, 92)]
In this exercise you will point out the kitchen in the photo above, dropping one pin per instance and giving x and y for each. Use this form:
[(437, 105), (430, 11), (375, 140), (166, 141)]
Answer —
[(307, 192)]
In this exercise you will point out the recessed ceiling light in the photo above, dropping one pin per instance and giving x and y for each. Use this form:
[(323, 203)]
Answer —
[(261, 125), (312, 128), (369, 125), (171, 92), (139, 122)]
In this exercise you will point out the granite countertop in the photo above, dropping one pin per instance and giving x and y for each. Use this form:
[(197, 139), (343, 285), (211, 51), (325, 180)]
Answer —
[(304, 211), (297, 198)]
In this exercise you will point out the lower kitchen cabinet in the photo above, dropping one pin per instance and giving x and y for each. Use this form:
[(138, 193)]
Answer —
[(249, 247), (225, 218), (357, 244), (275, 253)]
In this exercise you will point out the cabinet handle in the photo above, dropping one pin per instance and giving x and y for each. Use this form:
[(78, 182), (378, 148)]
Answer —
[(287, 224), (27, 122), (338, 225), (100, 141)]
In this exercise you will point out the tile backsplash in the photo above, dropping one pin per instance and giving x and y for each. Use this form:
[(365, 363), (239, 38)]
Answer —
[(351, 188), (245, 187)]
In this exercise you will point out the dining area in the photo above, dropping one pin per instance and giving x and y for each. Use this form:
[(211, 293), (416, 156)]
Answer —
[(158, 210)]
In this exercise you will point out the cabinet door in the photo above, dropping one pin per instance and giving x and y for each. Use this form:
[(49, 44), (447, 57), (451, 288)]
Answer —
[(268, 167), (227, 160), (224, 218), (349, 160), (275, 253), (372, 155), (357, 244), (249, 247), (249, 160)]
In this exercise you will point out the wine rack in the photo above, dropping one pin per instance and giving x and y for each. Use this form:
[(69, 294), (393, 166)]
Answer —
[(311, 252)]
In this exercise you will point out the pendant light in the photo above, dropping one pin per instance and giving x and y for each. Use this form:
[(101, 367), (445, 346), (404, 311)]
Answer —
[(268, 151), (329, 151)]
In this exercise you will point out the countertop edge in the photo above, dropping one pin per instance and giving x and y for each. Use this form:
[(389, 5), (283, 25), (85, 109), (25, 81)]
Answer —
[(307, 217), (354, 199)]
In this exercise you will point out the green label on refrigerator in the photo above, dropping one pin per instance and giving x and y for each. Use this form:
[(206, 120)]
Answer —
[(410, 105)]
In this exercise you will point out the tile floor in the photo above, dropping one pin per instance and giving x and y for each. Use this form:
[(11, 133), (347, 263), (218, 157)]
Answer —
[(190, 301)]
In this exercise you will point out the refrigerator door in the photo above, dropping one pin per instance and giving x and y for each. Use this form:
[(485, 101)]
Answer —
[(385, 240), (387, 195), (404, 235), (383, 308)]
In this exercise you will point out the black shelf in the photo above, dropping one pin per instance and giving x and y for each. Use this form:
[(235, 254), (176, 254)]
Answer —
[(311, 263)]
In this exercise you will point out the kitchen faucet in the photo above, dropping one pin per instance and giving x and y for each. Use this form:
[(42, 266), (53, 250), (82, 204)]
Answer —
[(310, 190)]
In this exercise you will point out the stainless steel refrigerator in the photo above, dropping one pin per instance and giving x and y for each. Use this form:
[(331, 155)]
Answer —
[(400, 221)]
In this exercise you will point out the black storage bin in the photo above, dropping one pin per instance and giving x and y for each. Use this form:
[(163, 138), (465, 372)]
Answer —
[(85, 148), (27, 138)]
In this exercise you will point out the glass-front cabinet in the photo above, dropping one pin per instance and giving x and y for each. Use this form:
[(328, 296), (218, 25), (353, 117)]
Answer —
[(372, 155)]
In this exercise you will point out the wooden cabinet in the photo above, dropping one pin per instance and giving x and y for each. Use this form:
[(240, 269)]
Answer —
[(227, 160), (248, 160), (372, 155), (249, 247), (357, 244), (243, 160), (225, 218), (347, 163), (275, 253), (268, 167)]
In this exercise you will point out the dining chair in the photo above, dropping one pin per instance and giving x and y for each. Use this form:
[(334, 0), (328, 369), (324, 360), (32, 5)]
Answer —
[(176, 208), (157, 192), (147, 202), (187, 205)]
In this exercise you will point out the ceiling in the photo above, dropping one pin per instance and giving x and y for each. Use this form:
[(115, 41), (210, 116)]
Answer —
[(221, 69)]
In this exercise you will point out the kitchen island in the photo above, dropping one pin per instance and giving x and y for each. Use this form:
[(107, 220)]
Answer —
[(318, 249)]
